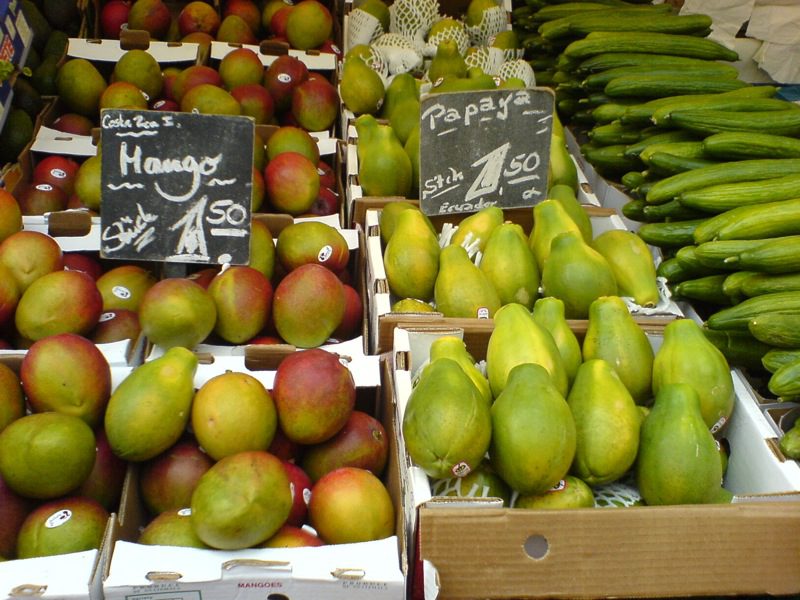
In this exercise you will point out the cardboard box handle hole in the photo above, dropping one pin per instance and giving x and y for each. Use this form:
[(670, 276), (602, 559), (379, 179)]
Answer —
[(536, 547)]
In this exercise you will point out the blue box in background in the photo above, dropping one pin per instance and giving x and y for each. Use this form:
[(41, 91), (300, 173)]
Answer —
[(15, 42)]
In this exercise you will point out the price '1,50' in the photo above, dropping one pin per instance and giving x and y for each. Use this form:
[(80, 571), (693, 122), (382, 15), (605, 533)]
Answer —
[(497, 171)]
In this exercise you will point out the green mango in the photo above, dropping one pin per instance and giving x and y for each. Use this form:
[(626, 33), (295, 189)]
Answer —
[(678, 461), (549, 313), (483, 482), (411, 257), (461, 288), (565, 196), (631, 263), (451, 347), (360, 87), (570, 492), (384, 168), (577, 274), (149, 410), (613, 335), (607, 424), (687, 356), (510, 265), (446, 424), (478, 227), (447, 62), (533, 433), (517, 338), (549, 220)]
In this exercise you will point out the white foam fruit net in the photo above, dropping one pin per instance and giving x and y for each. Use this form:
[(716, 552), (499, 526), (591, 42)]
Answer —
[(362, 28), (520, 69), (413, 18), (455, 487), (487, 58), (377, 62), (458, 34), (618, 494), (494, 21), (399, 52)]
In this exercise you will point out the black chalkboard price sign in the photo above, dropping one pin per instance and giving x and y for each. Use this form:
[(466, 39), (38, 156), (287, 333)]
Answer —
[(484, 147), (176, 187)]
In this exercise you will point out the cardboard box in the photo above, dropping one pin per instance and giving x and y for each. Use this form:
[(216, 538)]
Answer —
[(16, 38), (379, 299), (473, 549), (74, 576), (371, 570)]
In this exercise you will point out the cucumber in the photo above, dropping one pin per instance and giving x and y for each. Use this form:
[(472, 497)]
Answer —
[(670, 164), (705, 289), (707, 122), (633, 210), (670, 210), (777, 255), (663, 116), (739, 347), (769, 283), (713, 254), (664, 137), (777, 357), (727, 172), (756, 222), (649, 43), (643, 113), (639, 18), (785, 381), (611, 159), (632, 179), (776, 328), (673, 234), (660, 86), (674, 272), (607, 113), (684, 149), (598, 81), (732, 286), (735, 145), (615, 60), (614, 133), (737, 317), (725, 196)]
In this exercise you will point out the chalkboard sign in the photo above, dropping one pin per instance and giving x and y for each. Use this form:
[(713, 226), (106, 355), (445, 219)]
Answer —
[(484, 148), (176, 187)]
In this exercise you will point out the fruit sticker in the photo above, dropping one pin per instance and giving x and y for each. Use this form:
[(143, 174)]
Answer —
[(121, 292), (58, 518)]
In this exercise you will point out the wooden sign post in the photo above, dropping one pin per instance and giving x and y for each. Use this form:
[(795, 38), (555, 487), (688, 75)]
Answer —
[(176, 187), (484, 147)]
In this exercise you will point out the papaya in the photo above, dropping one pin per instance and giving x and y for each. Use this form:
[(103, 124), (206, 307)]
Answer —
[(549, 220), (577, 274), (549, 313), (461, 288), (446, 424), (483, 482), (411, 257), (687, 356), (631, 263), (517, 338), (607, 424), (149, 410), (570, 492), (565, 195), (384, 168), (678, 461), (613, 335), (533, 432), (449, 346), (478, 227), (510, 266)]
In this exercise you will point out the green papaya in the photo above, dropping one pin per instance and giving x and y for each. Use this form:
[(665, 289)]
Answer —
[(451, 347), (576, 274), (549, 313), (402, 86), (384, 168), (149, 410), (360, 87), (411, 257), (478, 227), (565, 195), (510, 266), (613, 335), (570, 492), (549, 220), (562, 170), (388, 218), (533, 433), (461, 288), (483, 482), (517, 338), (631, 263), (678, 461), (446, 424), (687, 356), (607, 424), (447, 62)]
